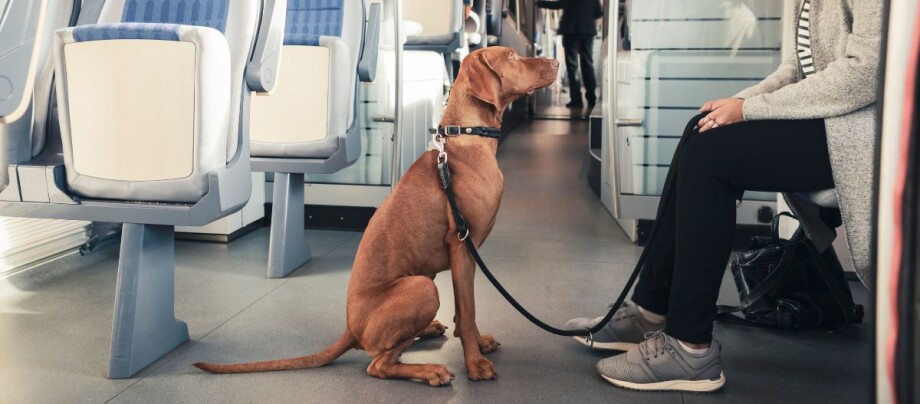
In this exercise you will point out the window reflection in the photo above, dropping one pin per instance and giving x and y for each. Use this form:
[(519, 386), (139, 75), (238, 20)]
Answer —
[(681, 55)]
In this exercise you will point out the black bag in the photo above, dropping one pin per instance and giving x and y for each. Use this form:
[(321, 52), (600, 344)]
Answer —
[(787, 284)]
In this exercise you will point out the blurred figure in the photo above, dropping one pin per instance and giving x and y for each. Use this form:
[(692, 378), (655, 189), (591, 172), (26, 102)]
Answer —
[(578, 29), (742, 24)]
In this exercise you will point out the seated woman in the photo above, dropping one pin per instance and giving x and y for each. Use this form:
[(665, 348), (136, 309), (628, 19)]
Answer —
[(809, 126)]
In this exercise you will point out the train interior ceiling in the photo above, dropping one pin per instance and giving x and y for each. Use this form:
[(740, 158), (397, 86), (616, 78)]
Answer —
[(152, 217)]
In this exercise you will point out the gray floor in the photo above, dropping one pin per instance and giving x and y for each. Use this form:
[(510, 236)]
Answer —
[(554, 246), (549, 103)]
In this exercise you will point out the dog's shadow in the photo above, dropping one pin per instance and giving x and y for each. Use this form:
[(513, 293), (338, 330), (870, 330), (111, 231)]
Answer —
[(428, 344)]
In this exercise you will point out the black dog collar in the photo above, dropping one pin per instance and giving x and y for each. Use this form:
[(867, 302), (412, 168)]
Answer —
[(483, 131)]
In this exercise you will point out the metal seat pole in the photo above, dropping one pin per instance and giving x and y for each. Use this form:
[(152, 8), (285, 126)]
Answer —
[(287, 248), (449, 64), (144, 326)]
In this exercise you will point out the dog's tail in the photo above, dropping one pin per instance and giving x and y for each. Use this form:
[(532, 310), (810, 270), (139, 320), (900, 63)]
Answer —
[(345, 342)]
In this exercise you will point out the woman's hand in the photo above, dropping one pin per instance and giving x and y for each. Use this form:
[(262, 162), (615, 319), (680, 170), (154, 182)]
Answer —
[(721, 112)]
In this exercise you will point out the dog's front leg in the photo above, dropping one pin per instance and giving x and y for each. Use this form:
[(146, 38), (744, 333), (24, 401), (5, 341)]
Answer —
[(462, 270)]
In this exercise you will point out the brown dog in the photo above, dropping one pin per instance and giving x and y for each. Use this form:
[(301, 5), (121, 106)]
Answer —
[(392, 299)]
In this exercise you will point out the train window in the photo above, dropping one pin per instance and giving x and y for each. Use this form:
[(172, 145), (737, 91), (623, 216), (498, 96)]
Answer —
[(681, 55)]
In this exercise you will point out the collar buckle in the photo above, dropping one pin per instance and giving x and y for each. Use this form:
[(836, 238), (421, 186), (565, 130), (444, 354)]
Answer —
[(452, 130)]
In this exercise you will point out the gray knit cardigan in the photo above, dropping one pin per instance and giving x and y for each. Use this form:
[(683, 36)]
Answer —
[(845, 43)]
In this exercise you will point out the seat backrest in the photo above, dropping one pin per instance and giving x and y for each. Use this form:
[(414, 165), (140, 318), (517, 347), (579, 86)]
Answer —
[(310, 20), (150, 98), (440, 21), (315, 101), (235, 19)]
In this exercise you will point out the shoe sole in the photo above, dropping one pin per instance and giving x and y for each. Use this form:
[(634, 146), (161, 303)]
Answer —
[(606, 346), (693, 386)]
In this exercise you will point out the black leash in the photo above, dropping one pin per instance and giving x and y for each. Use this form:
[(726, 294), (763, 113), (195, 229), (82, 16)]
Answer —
[(463, 233)]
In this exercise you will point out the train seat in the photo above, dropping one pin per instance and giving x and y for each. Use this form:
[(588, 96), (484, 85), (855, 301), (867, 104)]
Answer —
[(152, 125), (148, 131), (438, 26), (441, 24), (309, 124), (26, 68), (312, 114)]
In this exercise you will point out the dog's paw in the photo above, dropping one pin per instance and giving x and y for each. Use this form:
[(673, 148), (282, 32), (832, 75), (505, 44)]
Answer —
[(439, 376), (481, 369), (488, 344), (434, 330)]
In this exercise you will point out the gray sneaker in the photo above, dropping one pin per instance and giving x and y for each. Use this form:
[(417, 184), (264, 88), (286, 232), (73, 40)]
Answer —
[(660, 364), (625, 330)]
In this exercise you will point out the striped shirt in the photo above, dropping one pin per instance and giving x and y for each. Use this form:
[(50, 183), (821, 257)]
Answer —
[(803, 40)]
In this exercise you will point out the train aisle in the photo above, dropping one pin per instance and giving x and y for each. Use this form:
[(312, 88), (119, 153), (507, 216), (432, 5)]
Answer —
[(554, 247)]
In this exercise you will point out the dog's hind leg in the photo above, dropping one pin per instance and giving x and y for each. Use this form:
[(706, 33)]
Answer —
[(402, 312), (387, 366)]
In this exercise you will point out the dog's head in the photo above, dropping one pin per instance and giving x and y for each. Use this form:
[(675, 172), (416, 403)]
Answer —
[(498, 75)]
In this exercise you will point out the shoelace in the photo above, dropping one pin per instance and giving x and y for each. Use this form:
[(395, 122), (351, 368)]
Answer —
[(656, 343)]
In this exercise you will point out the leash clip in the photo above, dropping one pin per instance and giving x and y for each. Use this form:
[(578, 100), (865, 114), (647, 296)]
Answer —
[(464, 236), (589, 339), (437, 144)]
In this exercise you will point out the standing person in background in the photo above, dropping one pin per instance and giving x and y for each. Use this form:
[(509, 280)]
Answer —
[(578, 28)]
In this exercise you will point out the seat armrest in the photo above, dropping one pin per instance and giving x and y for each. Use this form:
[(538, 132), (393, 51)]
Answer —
[(262, 71), (367, 66)]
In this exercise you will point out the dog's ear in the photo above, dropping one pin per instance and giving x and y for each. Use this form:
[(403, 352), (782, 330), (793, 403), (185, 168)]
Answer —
[(485, 83)]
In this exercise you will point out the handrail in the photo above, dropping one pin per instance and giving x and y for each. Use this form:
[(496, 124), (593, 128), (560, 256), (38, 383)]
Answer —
[(397, 113)]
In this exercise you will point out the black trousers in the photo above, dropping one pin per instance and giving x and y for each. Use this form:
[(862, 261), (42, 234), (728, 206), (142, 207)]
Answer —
[(580, 48), (689, 255)]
